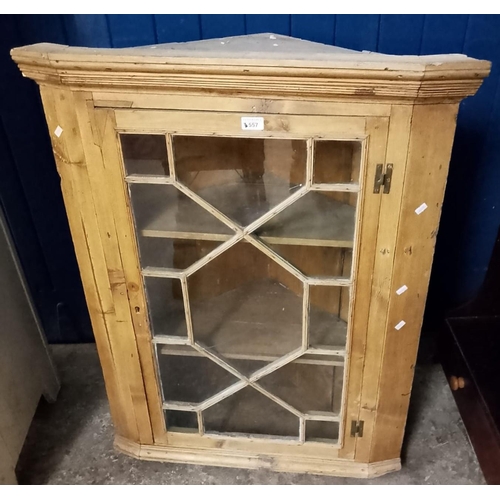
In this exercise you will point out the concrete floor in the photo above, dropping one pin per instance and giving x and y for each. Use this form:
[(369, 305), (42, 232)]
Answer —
[(71, 441)]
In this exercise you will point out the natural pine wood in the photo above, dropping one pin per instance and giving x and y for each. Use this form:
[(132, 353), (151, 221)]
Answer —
[(307, 70), (384, 244), (70, 161), (429, 149), (279, 106), (223, 124), (368, 214), (287, 462), (342, 271)]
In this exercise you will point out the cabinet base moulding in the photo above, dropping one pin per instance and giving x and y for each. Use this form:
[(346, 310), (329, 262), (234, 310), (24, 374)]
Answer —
[(281, 463)]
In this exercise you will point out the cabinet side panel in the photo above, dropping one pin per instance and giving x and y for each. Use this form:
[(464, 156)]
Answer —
[(105, 183), (82, 167), (103, 121), (68, 154), (383, 251), (431, 140)]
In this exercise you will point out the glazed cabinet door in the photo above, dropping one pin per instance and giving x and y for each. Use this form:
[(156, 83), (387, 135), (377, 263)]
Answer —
[(254, 239)]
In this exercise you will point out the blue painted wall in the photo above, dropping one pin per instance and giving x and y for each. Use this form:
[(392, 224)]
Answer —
[(472, 204)]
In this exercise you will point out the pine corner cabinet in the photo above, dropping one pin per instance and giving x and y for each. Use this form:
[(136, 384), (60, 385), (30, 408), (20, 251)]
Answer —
[(254, 220)]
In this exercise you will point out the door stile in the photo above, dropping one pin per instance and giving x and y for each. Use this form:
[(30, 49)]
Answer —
[(361, 295), (384, 251)]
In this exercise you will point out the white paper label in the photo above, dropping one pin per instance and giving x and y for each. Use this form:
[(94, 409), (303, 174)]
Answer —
[(400, 325), (421, 208), (401, 290), (252, 123), (58, 131)]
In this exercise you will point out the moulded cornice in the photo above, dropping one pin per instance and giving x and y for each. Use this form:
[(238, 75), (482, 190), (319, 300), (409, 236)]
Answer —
[(344, 74)]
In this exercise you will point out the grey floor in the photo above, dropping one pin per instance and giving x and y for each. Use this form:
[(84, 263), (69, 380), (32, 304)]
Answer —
[(71, 441)]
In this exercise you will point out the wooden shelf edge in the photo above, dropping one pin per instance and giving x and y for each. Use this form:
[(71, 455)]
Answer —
[(184, 235), (191, 352), (246, 460)]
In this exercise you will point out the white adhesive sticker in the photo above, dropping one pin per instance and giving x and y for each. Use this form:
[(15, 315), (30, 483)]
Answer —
[(400, 325), (421, 208), (401, 290), (58, 131), (252, 123)]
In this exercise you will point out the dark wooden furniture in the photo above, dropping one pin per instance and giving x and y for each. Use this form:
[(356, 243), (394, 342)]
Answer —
[(470, 353)]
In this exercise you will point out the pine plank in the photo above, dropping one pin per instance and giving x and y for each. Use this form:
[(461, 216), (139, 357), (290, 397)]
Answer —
[(384, 246), (431, 139), (367, 219), (224, 124), (147, 402), (311, 107), (70, 160)]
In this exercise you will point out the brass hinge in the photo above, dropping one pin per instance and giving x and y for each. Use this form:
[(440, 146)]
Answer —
[(357, 428), (383, 178)]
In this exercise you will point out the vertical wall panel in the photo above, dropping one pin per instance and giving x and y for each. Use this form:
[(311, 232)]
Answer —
[(358, 32), (220, 25), (37, 218), (315, 27), (130, 30), (443, 33), (177, 27), (87, 30), (470, 222), (481, 221), (400, 34), (42, 27), (268, 23)]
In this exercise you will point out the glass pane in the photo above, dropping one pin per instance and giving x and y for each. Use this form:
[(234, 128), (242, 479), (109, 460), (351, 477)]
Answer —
[(317, 261), (250, 412), (317, 430), (243, 178), (181, 420), (166, 306), (307, 387), (246, 307), (328, 314), (173, 230), (189, 377), (161, 211), (317, 219), (173, 253), (336, 162), (144, 154)]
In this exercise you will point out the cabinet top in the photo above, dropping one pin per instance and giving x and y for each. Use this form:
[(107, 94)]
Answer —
[(261, 64)]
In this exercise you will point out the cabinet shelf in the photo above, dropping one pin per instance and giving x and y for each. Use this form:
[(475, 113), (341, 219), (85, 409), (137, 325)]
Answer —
[(313, 220), (309, 357)]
